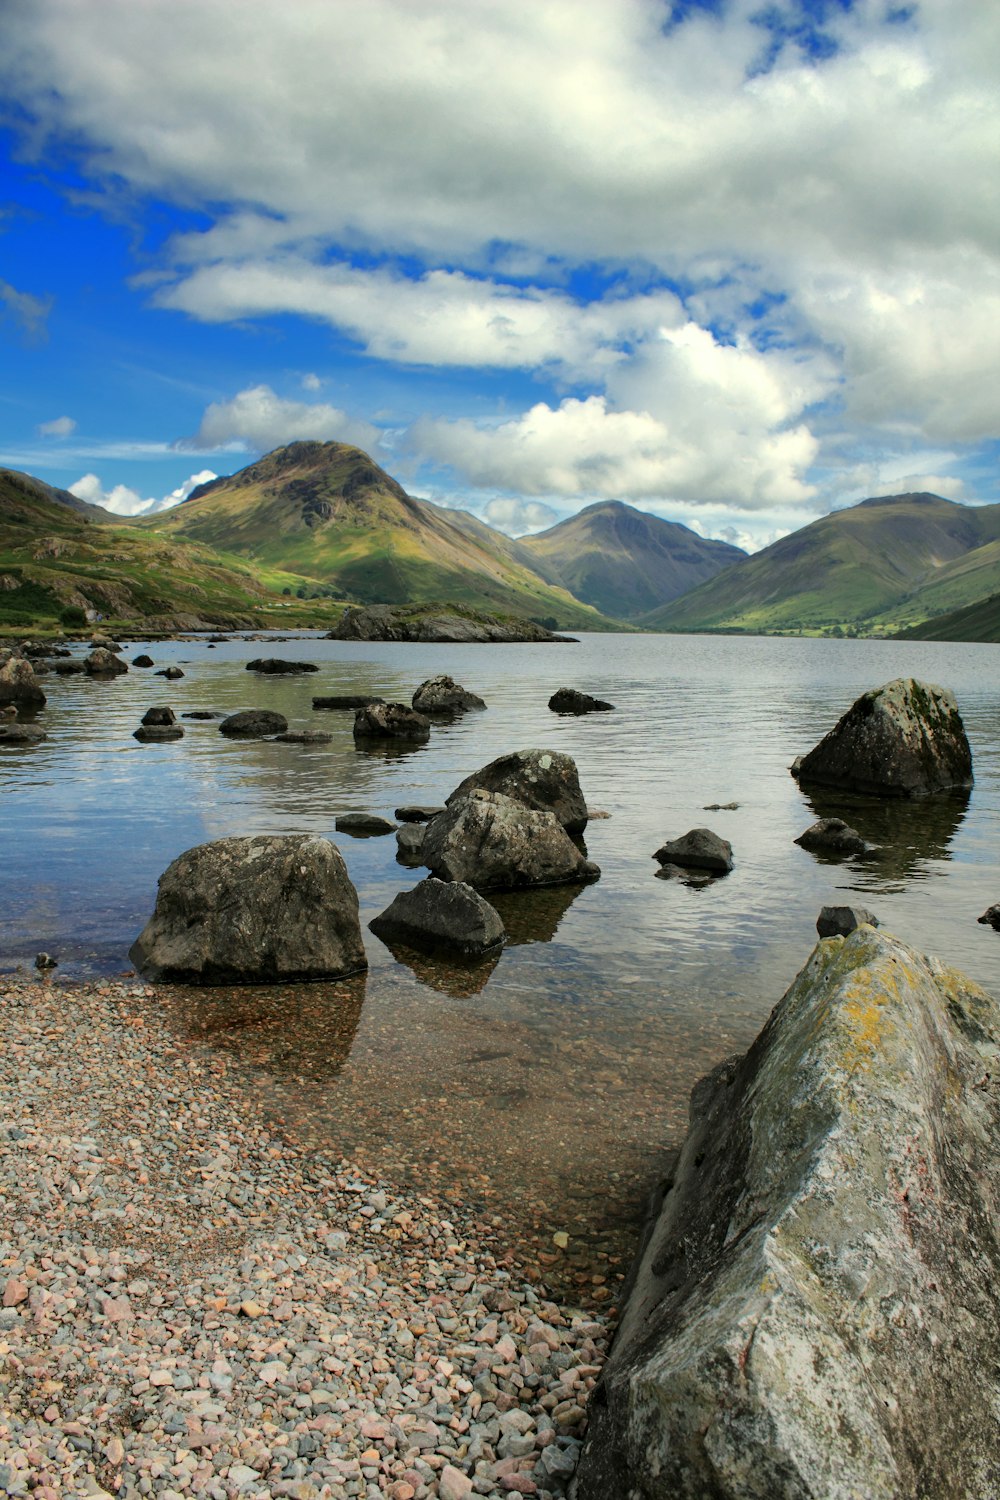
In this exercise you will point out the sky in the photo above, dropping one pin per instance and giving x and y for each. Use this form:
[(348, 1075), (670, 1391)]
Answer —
[(737, 264)]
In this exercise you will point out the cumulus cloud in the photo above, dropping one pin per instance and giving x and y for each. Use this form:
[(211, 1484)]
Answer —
[(258, 419), (518, 517), (311, 382), (122, 500), (59, 427), (29, 312)]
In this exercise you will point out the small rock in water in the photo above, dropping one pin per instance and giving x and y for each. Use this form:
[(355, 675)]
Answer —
[(839, 921), (991, 916), (834, 836), (699, 849)]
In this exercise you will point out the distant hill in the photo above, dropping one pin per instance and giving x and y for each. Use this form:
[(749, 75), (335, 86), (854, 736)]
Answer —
[(869, 565), (625, 562), (976, 622), (327, 511)]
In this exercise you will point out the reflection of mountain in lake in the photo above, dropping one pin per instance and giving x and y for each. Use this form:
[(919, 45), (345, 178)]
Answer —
[(910, 834), (534, 916)]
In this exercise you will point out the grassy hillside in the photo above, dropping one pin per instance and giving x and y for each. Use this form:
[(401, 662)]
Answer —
[(976, 622), (860, 568), (625, 562), (327, 512)]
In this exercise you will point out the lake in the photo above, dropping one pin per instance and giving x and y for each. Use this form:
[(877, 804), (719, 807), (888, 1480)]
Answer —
[(547, 1088)]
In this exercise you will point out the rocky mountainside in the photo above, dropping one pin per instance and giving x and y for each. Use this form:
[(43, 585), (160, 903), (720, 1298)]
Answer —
[(625, 562), (329, 512), (874, 564)]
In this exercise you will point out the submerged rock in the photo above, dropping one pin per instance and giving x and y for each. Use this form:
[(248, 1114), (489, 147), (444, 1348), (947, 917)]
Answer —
[(267, 909), (834, 836), (441, 916), (494, 843), (815, 1307), (366, 825), (443, 695), (391, 721), (158, 733), (905, 739), (274, 666), (143, 660), (699, 849), (545, 780), (572, 701), (253, 724), (303, 737)]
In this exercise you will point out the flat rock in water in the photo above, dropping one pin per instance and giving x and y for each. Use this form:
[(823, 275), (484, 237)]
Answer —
[(443, 695), (274, 666), (543, 780), (346, 700), (441, 916), (391, 721), (253, 724), (834, 836), (572, 701), (699, 849), (494, 843), (364, 825), (202, 713), (417, 813), (841, 921), (905, 739), (815, 1305), (303, 737), (158, 733), (267, 909)]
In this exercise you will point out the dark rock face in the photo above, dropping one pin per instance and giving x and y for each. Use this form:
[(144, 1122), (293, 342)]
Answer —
[(201, 713), (158, 733), (273, 666), (417, 813), (443, 695), (253, 724), (905, 739), (391, 721), (160, 715), (494, 843), (571, 701), (346, 700), (365, 825), (841, 921), (815, 1306), (142, 661), (991, 916), (170, 673), (18, 683), (834, 836), (261, 910), (700, 849), (439, 916), (544, 780), (102, 662)]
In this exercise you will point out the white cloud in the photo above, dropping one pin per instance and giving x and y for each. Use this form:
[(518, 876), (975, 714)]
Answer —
[(258, 419), (311, 382), (59, 427), (518, 517), (122, 500)]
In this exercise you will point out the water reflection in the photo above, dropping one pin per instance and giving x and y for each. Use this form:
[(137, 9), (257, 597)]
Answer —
[(534, 916), (910, 835), (461, 980)]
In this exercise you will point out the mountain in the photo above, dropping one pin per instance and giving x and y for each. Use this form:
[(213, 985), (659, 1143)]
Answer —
[(625, 562), (59, 554), (874, 564), (976, 622), (328, 512)]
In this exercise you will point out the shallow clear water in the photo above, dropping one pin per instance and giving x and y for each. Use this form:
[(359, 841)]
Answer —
[(550, 1084)]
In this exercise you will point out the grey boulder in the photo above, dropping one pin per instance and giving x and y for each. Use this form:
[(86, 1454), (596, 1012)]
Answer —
[(18, 683), (494, 843), (253, 724), (443, 695), (834, 836), (905, 739), (267, 909), (391, 721), (410, 843), (439, 916), (544, 780), (814, 1313), (103, 662), (699, 849), (572, 701), (841, 921)]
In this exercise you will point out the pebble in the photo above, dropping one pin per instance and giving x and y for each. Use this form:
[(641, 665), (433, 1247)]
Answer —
[(192, 1306)]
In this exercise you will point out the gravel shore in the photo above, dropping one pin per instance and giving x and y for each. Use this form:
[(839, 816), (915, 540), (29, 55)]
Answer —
[(192, 1306)]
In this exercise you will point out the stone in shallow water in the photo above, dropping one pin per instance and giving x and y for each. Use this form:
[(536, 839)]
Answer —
[(253, 724), (494, 843), (544, 780), (572, 701), (699, 849), (364, 825), (840, 921), (441, 916), (391, 721), (443, 695), (834, 836)]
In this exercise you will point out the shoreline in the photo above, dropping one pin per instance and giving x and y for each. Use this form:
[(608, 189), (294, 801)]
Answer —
[(190, 1304)]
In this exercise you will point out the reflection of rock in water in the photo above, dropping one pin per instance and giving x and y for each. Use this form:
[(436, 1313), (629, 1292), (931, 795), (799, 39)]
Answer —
[(534, 916), (305, 1029), (376, 749), (449, 976), (909, 833)]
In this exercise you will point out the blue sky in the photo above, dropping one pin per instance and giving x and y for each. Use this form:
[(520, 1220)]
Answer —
[(734, 263)]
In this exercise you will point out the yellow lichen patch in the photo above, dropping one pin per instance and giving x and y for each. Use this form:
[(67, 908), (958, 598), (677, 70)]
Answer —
[(866, 1021)]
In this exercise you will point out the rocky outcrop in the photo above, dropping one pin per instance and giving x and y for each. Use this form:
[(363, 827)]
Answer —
[(439, 916), (494, 843), (18, 683), (905, 739), (841, 921), (815, 1310), (545, 780), (834, 836), (275, 666), (391, 721), (253, 724), (572, 701), (699, 849), (392, 622), (443, 695), (267, 909)]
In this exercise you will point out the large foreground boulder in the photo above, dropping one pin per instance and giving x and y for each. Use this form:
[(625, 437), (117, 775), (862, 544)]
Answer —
[(494, 843), (268, 909), (545, 780), (440, 916), (815, 1312), (905, 739)]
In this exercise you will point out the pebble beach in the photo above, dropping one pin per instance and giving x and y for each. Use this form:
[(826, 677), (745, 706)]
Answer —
[(191, 1304)]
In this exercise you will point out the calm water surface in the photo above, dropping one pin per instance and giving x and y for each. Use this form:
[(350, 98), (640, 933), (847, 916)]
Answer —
[(547, 1087)]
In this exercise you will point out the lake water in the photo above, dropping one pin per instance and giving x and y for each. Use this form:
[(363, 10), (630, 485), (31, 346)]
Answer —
[(545, 1089)]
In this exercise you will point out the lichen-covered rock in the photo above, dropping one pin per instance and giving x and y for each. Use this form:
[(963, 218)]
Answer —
[(905, 739), (698, 849), (18, 683), (834, 836), (815, 1310), (545, 780), (443, 695), (103, 662), (253, 724), (494, 843), (572, 701), (391, 721), (441, 916), (267, 909)]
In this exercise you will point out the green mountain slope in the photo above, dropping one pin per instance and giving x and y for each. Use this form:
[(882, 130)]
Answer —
[(328, 512), (856, 568), (976, 622), (625, 562)]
